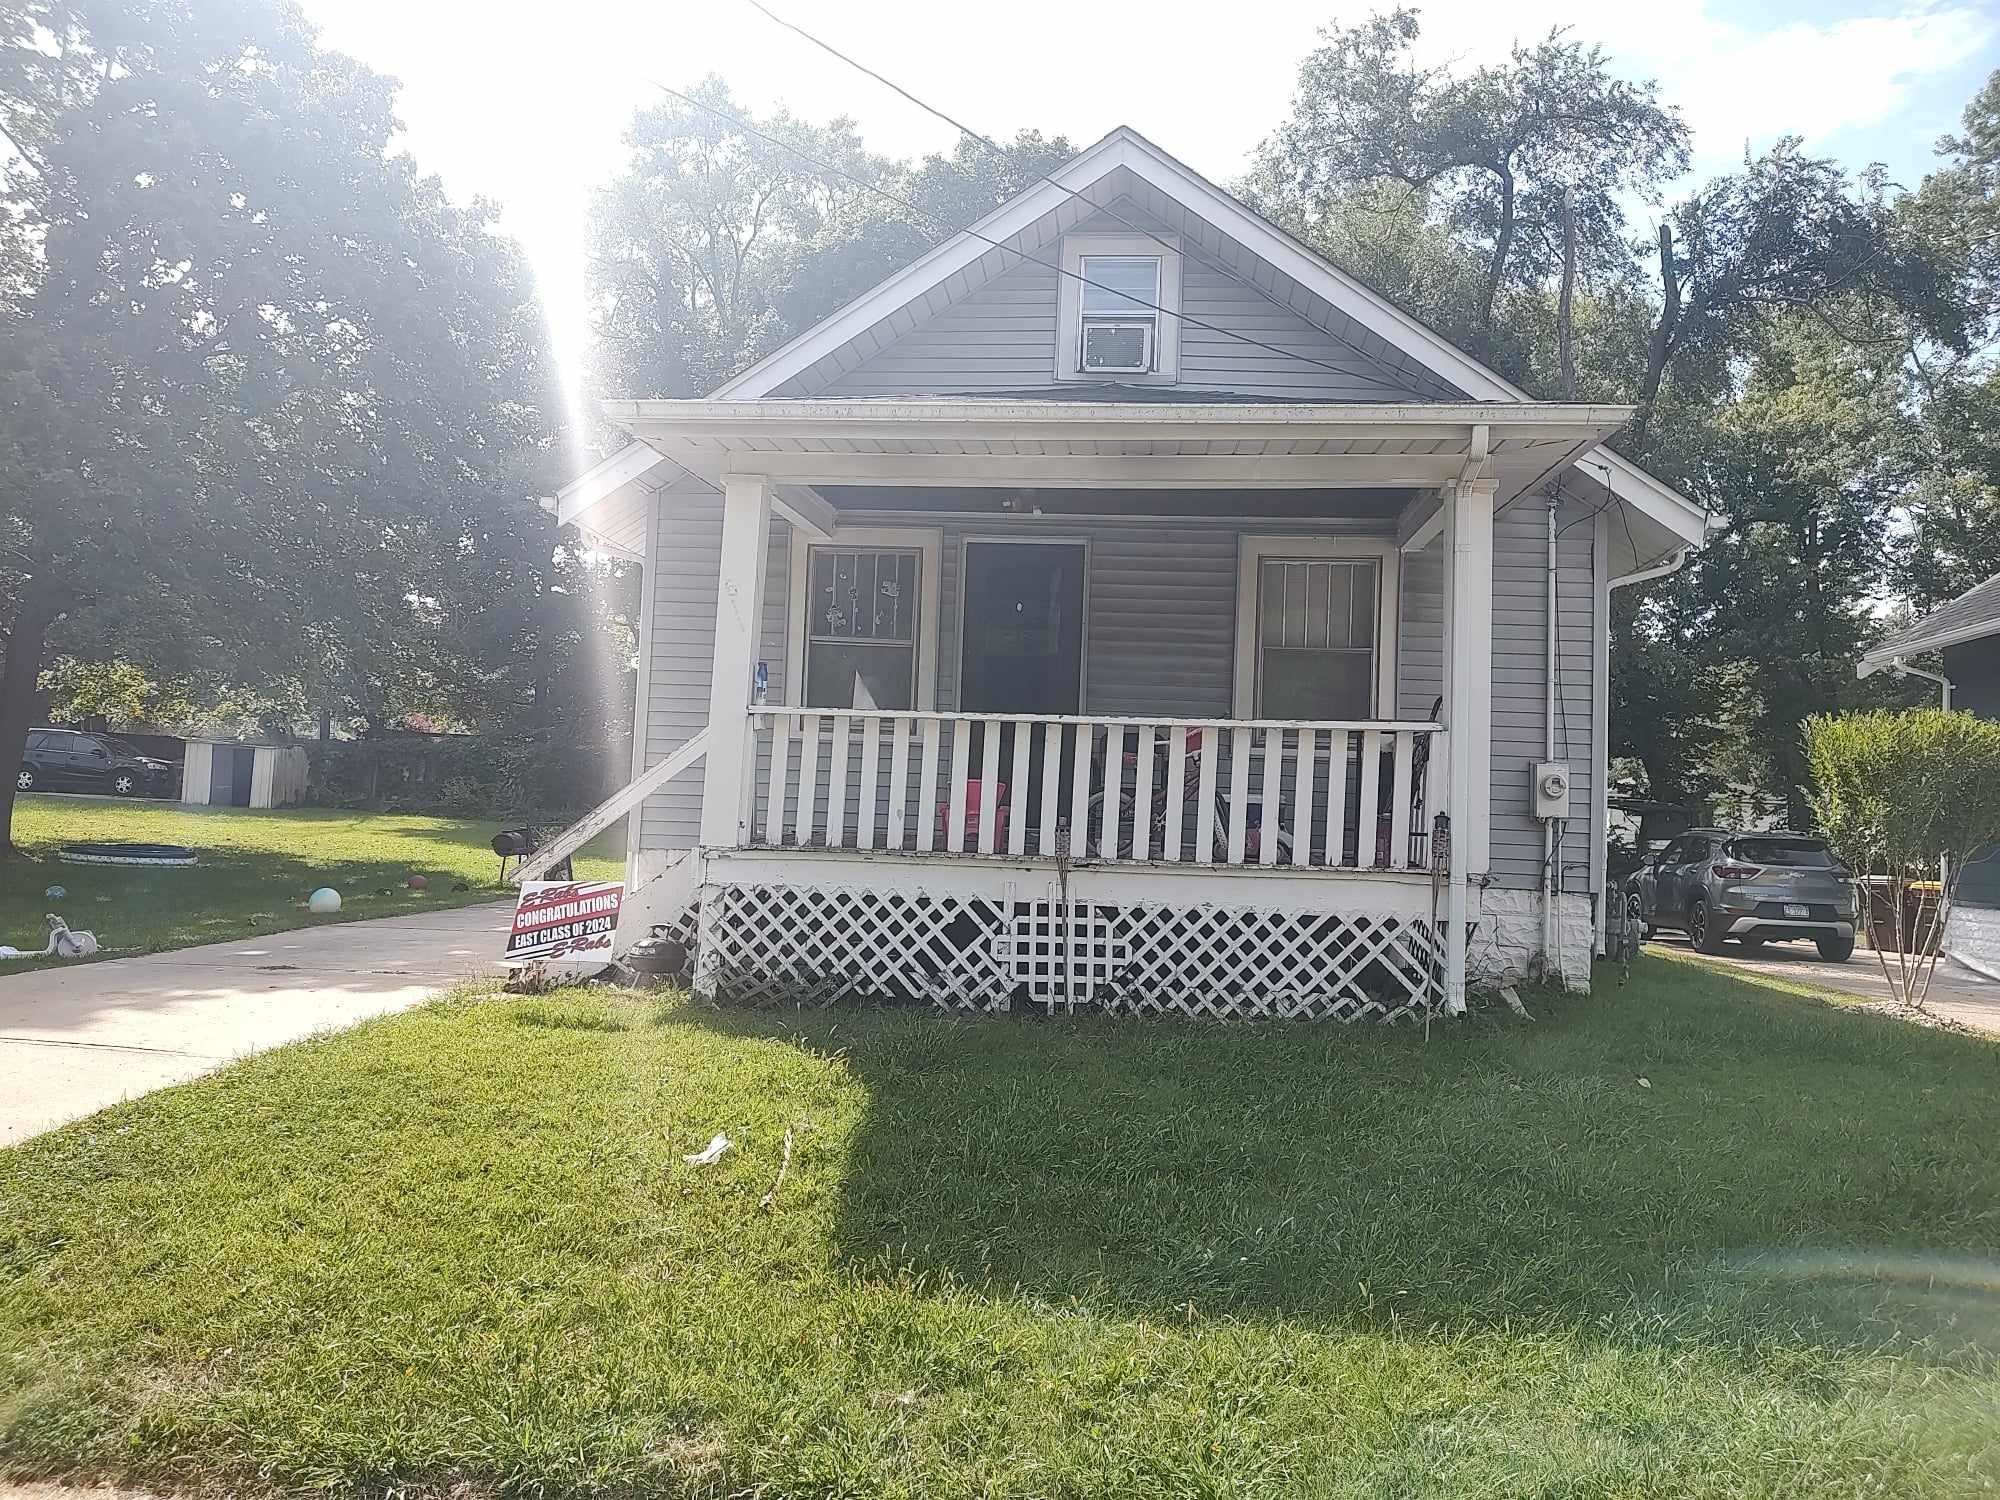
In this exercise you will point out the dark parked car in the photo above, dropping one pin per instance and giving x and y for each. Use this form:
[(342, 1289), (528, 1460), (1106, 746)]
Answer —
[(1755, 887), (69, 760)]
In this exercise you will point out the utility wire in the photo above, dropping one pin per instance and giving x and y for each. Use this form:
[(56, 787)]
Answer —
[(908, 207), (1186, 247)]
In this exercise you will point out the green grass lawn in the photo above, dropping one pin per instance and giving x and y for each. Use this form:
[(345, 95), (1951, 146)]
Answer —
[(1022, 1258), (256, 870)]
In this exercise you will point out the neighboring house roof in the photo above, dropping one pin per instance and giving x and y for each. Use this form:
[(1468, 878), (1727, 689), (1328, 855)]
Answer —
[(1971, 616), (1122, 162)]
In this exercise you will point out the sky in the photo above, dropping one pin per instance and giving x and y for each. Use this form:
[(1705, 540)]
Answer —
[(527, 104)]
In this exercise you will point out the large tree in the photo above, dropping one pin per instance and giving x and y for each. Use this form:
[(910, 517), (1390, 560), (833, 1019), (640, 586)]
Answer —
[(726, 233), (262, 381), (1509, 151)]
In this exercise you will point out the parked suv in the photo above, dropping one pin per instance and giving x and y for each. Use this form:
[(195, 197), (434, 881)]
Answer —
[(70, 760), (1755, 887)]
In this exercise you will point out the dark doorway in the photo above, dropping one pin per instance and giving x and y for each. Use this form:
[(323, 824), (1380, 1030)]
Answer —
[(231, 775), (1021, 652), (1022, 646)]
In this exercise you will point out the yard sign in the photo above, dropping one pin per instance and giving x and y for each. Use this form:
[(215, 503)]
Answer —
[(568, 919)]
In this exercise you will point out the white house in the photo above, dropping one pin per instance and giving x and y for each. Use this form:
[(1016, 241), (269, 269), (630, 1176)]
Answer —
[(1121, 605)]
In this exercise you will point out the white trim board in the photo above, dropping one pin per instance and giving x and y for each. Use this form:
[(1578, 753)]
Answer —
[(604, 479), (1069, 305), (1254, 549), (928, 542)]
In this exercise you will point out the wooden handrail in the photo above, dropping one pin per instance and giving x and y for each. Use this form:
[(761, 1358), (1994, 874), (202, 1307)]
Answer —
[(786, 711), (609, 811)]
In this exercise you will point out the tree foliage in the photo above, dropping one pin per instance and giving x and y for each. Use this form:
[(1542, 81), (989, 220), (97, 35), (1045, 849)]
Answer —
[(1807, 350), (268, 398), (714, 245), (1498, 149)]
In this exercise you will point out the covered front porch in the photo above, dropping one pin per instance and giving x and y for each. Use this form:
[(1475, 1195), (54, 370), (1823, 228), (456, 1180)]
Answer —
[(1096, 701)]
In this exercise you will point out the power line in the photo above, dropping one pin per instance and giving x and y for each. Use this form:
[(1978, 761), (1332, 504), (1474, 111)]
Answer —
[(908, 207), (1001, 151)]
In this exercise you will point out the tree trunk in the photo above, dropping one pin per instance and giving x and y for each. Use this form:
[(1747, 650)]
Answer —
[(1660, 347), (20, 698), (1503, 246), (1566, 300)]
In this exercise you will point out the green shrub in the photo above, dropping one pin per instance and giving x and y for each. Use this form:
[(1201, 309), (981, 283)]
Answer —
[(1905, 798)]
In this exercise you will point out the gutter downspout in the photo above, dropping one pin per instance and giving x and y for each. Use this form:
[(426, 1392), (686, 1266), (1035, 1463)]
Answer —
[(1902, 668)]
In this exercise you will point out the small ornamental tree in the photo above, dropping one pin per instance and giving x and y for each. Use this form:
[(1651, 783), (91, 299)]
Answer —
[(1905, 798)]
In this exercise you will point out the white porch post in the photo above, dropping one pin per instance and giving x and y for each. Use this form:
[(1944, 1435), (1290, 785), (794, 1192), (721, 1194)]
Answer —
[(726, 779), (739, 620), (1468, 592)]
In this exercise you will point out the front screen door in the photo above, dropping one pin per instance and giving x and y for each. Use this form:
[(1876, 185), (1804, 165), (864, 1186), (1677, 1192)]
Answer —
[(1022, 649)]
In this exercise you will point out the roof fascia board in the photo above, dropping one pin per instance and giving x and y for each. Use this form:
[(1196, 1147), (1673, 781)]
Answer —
[(1901, 647), (928, 270), (866, 417), (604, 479)]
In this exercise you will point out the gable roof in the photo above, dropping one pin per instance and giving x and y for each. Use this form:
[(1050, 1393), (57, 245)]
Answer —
[(1302, 275), (1971, 616)]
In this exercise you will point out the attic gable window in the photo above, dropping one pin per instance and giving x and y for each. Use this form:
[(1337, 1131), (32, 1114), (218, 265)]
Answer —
[(1120, 297), (1118, 305)]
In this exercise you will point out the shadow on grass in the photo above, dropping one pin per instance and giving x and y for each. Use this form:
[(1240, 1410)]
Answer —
[(1499, 1175)]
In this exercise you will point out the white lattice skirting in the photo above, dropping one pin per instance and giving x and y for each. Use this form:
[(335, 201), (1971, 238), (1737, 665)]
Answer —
[(772, 943)]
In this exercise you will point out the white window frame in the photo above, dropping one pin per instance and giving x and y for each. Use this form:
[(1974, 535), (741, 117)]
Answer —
[(1252, 552), (928, 543), (1069, 307)]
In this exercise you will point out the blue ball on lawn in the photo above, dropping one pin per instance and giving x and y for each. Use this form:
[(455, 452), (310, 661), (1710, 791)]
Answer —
[(324, 900), (56, 892)]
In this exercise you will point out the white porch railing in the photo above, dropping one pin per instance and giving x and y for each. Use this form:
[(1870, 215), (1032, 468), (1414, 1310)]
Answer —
[(1257, 792)]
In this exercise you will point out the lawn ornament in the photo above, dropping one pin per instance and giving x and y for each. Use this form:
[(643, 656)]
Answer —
[(66, 944), (324, 901)]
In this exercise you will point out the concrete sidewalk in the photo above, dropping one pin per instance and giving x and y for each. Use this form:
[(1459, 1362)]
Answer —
[(75, 1039), (1957, 994)]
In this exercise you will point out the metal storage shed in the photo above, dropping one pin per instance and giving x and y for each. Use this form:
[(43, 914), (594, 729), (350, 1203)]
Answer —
[(229, 773)]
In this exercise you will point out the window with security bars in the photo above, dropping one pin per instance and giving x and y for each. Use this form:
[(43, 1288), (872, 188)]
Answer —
[(1316, 638), (861, 627)]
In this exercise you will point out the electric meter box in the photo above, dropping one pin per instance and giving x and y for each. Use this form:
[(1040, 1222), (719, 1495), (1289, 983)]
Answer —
[(1550, 787)]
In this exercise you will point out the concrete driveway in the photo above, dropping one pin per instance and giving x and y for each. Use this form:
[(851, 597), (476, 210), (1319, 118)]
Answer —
[(75, 1039), (1957, 994)]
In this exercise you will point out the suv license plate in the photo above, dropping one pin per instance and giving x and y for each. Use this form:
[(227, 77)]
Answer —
[(1800, 912)]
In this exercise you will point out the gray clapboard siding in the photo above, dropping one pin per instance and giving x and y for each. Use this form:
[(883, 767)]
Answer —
[(683, 575), (1520, 581), (1002, 335)]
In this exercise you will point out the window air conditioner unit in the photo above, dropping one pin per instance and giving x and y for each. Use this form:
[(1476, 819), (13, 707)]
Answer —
[(1118, 346)]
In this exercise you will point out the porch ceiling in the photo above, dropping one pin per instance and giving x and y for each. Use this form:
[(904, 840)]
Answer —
[(1017, 444)]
